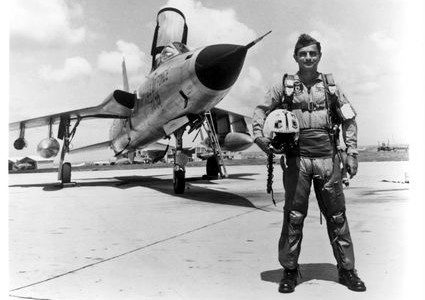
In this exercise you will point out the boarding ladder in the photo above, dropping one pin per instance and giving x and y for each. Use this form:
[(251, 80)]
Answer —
[(215, 145)]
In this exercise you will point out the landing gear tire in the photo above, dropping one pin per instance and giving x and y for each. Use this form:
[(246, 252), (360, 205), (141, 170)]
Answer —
[(213, 169), (66, 173), (179, 181)]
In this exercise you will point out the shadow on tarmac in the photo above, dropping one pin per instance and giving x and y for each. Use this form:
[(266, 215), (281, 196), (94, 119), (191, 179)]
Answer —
[(163, 185), (322, 271), (379, 195), (377, 192)]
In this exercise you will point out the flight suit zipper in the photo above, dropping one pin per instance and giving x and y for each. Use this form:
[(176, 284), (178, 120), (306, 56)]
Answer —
[(310, 99)]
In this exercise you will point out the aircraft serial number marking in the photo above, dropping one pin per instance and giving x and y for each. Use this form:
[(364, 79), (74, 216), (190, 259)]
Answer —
[(152, 96), (161, 79)]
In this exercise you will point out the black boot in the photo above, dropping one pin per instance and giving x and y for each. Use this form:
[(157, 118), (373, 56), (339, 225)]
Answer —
[(350, 279), (289, 281)]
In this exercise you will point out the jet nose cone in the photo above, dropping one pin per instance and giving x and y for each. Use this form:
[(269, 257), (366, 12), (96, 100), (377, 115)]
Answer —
[(218, 66)]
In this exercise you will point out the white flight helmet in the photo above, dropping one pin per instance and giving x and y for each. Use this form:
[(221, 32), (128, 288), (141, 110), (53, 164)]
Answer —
[(281, 121), (282, 128)]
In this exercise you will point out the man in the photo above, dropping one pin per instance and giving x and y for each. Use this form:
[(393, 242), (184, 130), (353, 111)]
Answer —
[(320, 108)]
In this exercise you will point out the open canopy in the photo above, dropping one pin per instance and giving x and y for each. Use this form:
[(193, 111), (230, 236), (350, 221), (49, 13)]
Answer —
[(170, 27)]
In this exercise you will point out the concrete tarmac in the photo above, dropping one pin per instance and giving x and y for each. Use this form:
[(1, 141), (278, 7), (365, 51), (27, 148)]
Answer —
[(126, 235)]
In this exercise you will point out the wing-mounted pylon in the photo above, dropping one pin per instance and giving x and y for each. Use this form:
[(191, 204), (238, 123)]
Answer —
[(170, 27)]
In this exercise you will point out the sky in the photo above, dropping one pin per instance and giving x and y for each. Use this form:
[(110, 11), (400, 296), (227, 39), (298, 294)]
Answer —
[(67, 55)]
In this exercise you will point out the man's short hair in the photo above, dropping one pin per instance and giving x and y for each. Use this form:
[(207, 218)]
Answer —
[(305, 40)]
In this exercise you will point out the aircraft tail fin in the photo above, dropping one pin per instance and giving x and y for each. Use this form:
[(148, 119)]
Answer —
[(124, 76)]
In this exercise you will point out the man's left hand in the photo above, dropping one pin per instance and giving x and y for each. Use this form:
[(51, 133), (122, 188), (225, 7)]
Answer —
[(352, 165)]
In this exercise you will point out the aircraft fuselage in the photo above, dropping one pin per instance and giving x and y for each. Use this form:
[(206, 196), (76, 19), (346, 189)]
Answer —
[(171, 91)]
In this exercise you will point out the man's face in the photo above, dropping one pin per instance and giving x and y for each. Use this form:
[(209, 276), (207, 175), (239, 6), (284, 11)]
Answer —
[(308, 57)]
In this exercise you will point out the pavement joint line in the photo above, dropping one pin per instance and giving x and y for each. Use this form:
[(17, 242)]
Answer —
[(261, 208), (31, 298)]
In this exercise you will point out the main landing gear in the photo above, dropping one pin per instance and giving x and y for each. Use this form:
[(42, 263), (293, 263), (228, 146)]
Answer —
[(64, 170), (213, 167), (179, 180), (65, 174)]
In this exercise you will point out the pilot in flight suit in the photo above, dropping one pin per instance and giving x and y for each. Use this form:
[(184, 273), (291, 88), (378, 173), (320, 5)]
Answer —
[(320, 107)]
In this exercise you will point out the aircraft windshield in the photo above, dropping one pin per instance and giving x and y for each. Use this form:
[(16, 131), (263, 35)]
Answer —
[(182, 48), (170, 51), (167, 53), (171, 26)]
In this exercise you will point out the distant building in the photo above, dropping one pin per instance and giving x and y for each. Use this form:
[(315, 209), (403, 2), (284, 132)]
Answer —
[(26, 163), (32, 162), (12, 165)]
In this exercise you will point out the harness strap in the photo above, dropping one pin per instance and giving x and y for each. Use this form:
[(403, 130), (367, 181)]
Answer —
[(329, 83), (308, 106), (331, 99), (286, 101), (288, 83), (331, 102)]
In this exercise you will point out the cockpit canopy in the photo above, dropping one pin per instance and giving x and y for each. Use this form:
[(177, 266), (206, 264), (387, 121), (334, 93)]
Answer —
[(170, 31)]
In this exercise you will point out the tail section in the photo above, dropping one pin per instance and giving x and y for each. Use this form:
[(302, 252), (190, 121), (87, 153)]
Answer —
[(124, 76)]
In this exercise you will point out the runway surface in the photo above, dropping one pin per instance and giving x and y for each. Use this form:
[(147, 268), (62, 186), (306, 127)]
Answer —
[(126, 235)]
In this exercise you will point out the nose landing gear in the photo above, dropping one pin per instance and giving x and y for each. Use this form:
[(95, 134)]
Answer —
[(180, 161), (179, 181), (64, 170)]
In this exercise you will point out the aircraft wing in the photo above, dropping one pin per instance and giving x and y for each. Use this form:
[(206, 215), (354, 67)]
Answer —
[(231, 129), (155, 151), (222, 112), (156, 146), (226, 121), (117, 105), (92, 147)]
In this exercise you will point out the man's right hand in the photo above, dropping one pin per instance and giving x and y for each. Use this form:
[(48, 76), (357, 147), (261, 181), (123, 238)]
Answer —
[(352, 165), (263, 143)]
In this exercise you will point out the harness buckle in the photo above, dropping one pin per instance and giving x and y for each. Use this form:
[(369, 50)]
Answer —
[(312, 106), (332, 89)]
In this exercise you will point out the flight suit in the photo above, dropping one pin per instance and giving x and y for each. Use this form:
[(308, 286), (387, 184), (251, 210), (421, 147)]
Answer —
[(315, 162)]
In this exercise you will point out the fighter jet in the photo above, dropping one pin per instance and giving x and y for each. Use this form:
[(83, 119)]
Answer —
[(180, 93)]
